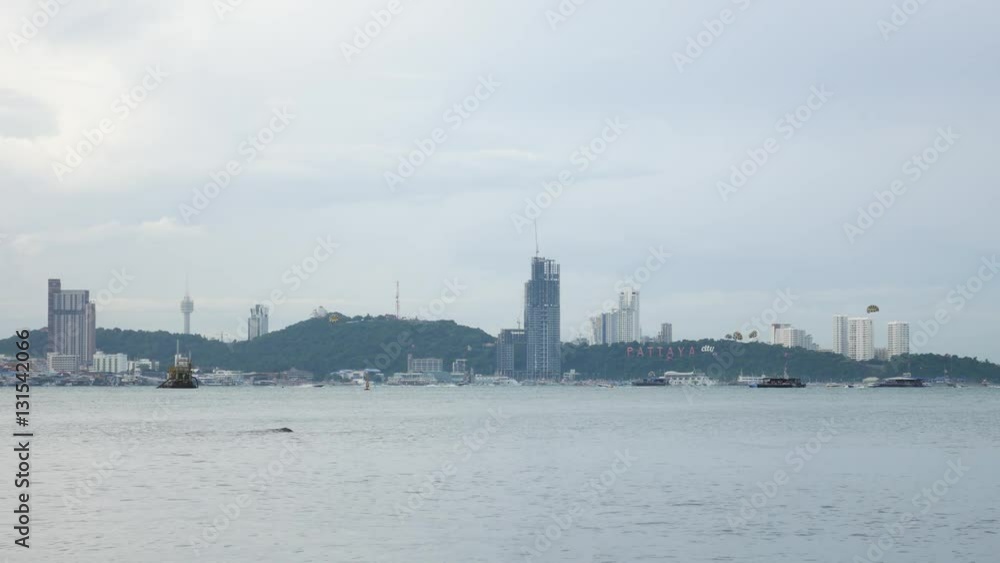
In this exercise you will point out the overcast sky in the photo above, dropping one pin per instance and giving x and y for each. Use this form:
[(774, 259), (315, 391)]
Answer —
[(339, 108)]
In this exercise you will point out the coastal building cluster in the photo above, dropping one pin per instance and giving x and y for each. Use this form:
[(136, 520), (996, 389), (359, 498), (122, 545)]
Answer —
[(854, 337)]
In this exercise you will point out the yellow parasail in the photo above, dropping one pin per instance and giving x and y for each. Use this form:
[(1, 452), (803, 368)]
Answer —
[(873, 308)]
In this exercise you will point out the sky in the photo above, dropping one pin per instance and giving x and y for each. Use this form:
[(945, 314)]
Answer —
[(305, 154)]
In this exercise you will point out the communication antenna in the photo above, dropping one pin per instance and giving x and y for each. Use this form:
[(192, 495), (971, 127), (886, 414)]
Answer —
[(536, 237), (397, 299)]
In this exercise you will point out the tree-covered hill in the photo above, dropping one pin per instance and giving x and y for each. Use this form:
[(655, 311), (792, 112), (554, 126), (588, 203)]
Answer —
[(316, 345), (321, 346)]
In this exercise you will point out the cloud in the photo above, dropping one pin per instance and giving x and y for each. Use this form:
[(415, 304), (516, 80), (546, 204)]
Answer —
[(166, 227)]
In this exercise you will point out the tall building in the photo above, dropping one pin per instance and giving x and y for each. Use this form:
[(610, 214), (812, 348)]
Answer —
[(257, 325), (629, 329), (604, 328), (899, 338), (666, 335), (541, 320), (72, 324), (187, 307), (840, 335), (511, 353), (860, 339), (775, 332)]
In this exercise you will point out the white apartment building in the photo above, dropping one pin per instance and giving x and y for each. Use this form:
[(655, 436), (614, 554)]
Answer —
[(840, 339), (899, 338), (860, 339)]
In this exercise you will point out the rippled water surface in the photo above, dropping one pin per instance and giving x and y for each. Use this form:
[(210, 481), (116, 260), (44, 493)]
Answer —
[(513, 474)]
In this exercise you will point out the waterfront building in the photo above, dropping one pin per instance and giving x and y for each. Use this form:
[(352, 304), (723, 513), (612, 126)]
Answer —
[(257, 325), (72, 325), (542, 320), (860, 339), (110, 363), (424, 365), (840, 339), (511, 353), (62, 362), (899, 339)]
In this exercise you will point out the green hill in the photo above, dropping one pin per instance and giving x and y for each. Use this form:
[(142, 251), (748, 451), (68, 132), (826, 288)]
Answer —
[(321, 346), (316, 345)]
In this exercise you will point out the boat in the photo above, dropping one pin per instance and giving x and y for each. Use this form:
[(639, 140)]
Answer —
[(904, 381), (783, 382), (181, 374), (779, 383), (652, 381)]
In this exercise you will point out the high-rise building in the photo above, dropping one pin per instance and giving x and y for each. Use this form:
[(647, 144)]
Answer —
[(257, 325), (629, 329), (666, 335), (542, 320), (860, 339), (511, 353), (604, 328), (187, 307), (840, 335), (775, 329), (899, 338), (72, 324)]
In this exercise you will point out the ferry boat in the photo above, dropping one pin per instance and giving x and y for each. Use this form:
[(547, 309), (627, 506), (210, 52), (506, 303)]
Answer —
[(779, 383), (652, 381), (904, 381), (783, 382)]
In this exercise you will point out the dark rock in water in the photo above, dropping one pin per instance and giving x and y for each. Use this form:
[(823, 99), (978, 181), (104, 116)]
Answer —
[(282, 430)]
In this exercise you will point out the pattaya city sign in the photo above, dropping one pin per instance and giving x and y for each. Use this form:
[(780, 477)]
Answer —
[(665, 352)]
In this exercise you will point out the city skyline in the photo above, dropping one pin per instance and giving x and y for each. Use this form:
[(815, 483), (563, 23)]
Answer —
[(469, 207)]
